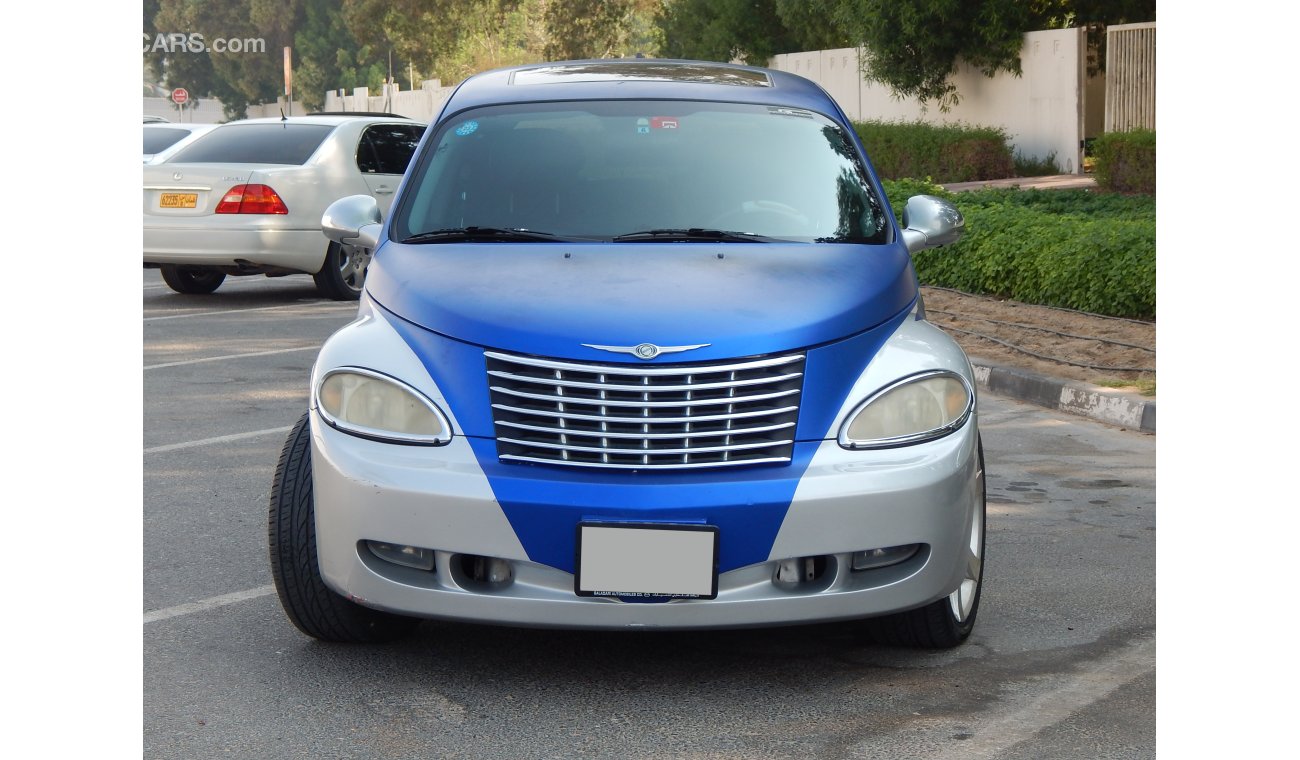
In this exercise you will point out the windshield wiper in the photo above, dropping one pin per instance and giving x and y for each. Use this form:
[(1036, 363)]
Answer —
[(693, 233), (458, 234)]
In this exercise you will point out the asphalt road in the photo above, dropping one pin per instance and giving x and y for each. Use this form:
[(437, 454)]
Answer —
[(1061, 664)]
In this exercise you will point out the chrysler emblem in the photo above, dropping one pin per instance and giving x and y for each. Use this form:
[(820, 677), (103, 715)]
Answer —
[(646, 351)]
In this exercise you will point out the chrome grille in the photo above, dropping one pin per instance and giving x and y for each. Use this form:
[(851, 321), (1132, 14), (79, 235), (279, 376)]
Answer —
[(653, 417)]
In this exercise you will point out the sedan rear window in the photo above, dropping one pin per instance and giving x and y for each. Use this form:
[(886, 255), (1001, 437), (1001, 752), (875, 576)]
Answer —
[(158, 140), (256, 144)]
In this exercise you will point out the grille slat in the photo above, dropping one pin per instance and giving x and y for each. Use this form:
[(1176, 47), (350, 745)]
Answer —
[(604, 387), (644, 403), (684, 416)]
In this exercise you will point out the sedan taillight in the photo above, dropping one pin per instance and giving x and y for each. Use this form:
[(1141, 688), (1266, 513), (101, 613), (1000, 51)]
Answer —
[(251, 199)]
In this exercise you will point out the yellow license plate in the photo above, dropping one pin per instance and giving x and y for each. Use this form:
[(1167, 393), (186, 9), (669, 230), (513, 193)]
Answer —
[(179, 200)]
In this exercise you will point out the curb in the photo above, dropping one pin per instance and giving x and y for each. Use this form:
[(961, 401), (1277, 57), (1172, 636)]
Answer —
[(1127, 410)]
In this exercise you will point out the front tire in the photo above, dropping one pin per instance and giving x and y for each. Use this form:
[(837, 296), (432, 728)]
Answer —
[(946, 622), (194, 281), (343, 275), (312, 606)]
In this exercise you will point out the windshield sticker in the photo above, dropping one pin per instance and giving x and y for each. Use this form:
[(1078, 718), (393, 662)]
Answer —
[(664, 122), (643, 126), (467, 128)]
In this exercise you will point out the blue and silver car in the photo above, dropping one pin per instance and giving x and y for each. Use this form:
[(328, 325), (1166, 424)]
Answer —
[(640, 346)]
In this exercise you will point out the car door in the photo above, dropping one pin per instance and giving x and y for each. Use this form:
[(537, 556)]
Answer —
[(382, 156)]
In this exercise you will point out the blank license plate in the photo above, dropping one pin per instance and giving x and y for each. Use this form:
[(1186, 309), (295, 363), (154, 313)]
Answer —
[(178, 200), (647, 560)]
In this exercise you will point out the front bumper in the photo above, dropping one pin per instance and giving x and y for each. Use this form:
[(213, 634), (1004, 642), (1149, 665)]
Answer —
[(439, 498)]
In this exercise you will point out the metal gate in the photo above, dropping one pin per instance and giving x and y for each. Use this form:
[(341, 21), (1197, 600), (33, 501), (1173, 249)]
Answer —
[(1130, 77)]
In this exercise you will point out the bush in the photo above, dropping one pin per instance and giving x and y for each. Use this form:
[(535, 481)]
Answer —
[(1072, 248), (1030, 166), (955, 153), (1126, 161)]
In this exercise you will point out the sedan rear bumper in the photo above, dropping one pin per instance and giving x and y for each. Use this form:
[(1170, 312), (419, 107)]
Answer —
[(301, 250)]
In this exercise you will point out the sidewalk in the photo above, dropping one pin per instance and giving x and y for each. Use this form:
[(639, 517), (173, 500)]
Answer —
[(1054, 182)]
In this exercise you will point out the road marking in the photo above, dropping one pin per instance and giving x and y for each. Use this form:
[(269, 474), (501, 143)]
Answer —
[(218, 439), (204, 605), (1023, 719), (240, 311), (231, 356)]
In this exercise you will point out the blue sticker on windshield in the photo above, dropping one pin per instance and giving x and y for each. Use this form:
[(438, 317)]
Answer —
[(467, 128)]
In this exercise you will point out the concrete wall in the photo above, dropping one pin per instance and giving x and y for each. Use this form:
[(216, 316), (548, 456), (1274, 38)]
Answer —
[(1047, 109), (422, 104), (208, 111)]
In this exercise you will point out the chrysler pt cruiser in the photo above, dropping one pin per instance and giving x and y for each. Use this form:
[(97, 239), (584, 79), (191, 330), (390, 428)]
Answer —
[(640, 346)]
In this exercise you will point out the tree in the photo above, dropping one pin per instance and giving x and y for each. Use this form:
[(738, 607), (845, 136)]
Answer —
[(329, 57), (579, 29), (451, 39), (252, 74), (723, 30)]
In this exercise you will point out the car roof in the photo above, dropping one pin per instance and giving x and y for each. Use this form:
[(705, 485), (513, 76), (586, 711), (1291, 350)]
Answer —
[(639, 79), (332, 121), (188, 126)]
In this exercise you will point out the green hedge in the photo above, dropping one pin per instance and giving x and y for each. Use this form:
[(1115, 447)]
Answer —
[(1126, 161), (957, 153), (1081, 250)]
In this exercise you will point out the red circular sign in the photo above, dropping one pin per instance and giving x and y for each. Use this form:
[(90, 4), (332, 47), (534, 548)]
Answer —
[(180, 95)]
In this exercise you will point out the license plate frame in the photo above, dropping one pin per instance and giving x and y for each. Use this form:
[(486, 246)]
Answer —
[(626, 560), (178, 200)]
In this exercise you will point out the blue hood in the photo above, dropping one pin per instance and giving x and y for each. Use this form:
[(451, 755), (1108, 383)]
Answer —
[(549, 298)]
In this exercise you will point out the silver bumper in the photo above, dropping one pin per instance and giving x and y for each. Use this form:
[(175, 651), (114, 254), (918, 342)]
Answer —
[(440, 499)]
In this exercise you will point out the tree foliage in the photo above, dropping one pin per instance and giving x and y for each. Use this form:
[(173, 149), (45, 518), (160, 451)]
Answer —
[(579, 29), (914, 46), (724, 30)]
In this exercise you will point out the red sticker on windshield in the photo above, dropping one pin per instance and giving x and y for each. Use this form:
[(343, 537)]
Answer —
[(664, 122)]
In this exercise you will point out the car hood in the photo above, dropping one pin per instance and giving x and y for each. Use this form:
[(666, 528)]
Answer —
[(550, 299)]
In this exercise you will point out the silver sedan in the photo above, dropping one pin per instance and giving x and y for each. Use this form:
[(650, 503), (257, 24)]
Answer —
[(247, 197)]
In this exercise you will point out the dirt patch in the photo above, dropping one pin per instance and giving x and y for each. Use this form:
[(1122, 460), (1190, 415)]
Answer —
[(1054, 342)]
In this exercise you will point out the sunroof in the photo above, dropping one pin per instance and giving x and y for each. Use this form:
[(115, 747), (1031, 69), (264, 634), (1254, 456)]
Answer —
[(641, 71)]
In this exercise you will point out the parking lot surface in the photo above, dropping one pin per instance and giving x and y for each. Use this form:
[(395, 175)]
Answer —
[(1061, 663)]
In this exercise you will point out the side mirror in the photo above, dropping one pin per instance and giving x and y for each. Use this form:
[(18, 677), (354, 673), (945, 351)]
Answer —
[(353, 221), (930, 222)]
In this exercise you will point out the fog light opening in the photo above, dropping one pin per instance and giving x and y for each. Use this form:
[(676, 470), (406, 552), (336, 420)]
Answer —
[(799, 570), (870, 559), (490, 570), (407, 556)]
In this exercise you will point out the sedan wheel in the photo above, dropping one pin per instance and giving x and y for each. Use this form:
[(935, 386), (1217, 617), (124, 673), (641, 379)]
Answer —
[(191, 280), (343, 275)]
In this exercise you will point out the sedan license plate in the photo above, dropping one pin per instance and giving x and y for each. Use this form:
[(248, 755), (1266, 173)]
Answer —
[(178, 200), (647, 560)]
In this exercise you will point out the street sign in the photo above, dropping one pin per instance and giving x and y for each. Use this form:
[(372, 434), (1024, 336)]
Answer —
[(180, 95)]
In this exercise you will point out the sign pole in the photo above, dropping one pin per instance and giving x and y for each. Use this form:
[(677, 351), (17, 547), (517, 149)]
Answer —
[(288, 77)]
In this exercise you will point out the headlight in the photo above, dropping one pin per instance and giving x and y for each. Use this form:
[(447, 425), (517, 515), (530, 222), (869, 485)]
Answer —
[(915, 409), (372, 405)]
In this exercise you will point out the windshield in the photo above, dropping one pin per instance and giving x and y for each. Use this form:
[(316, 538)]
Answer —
[(642, 170)]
